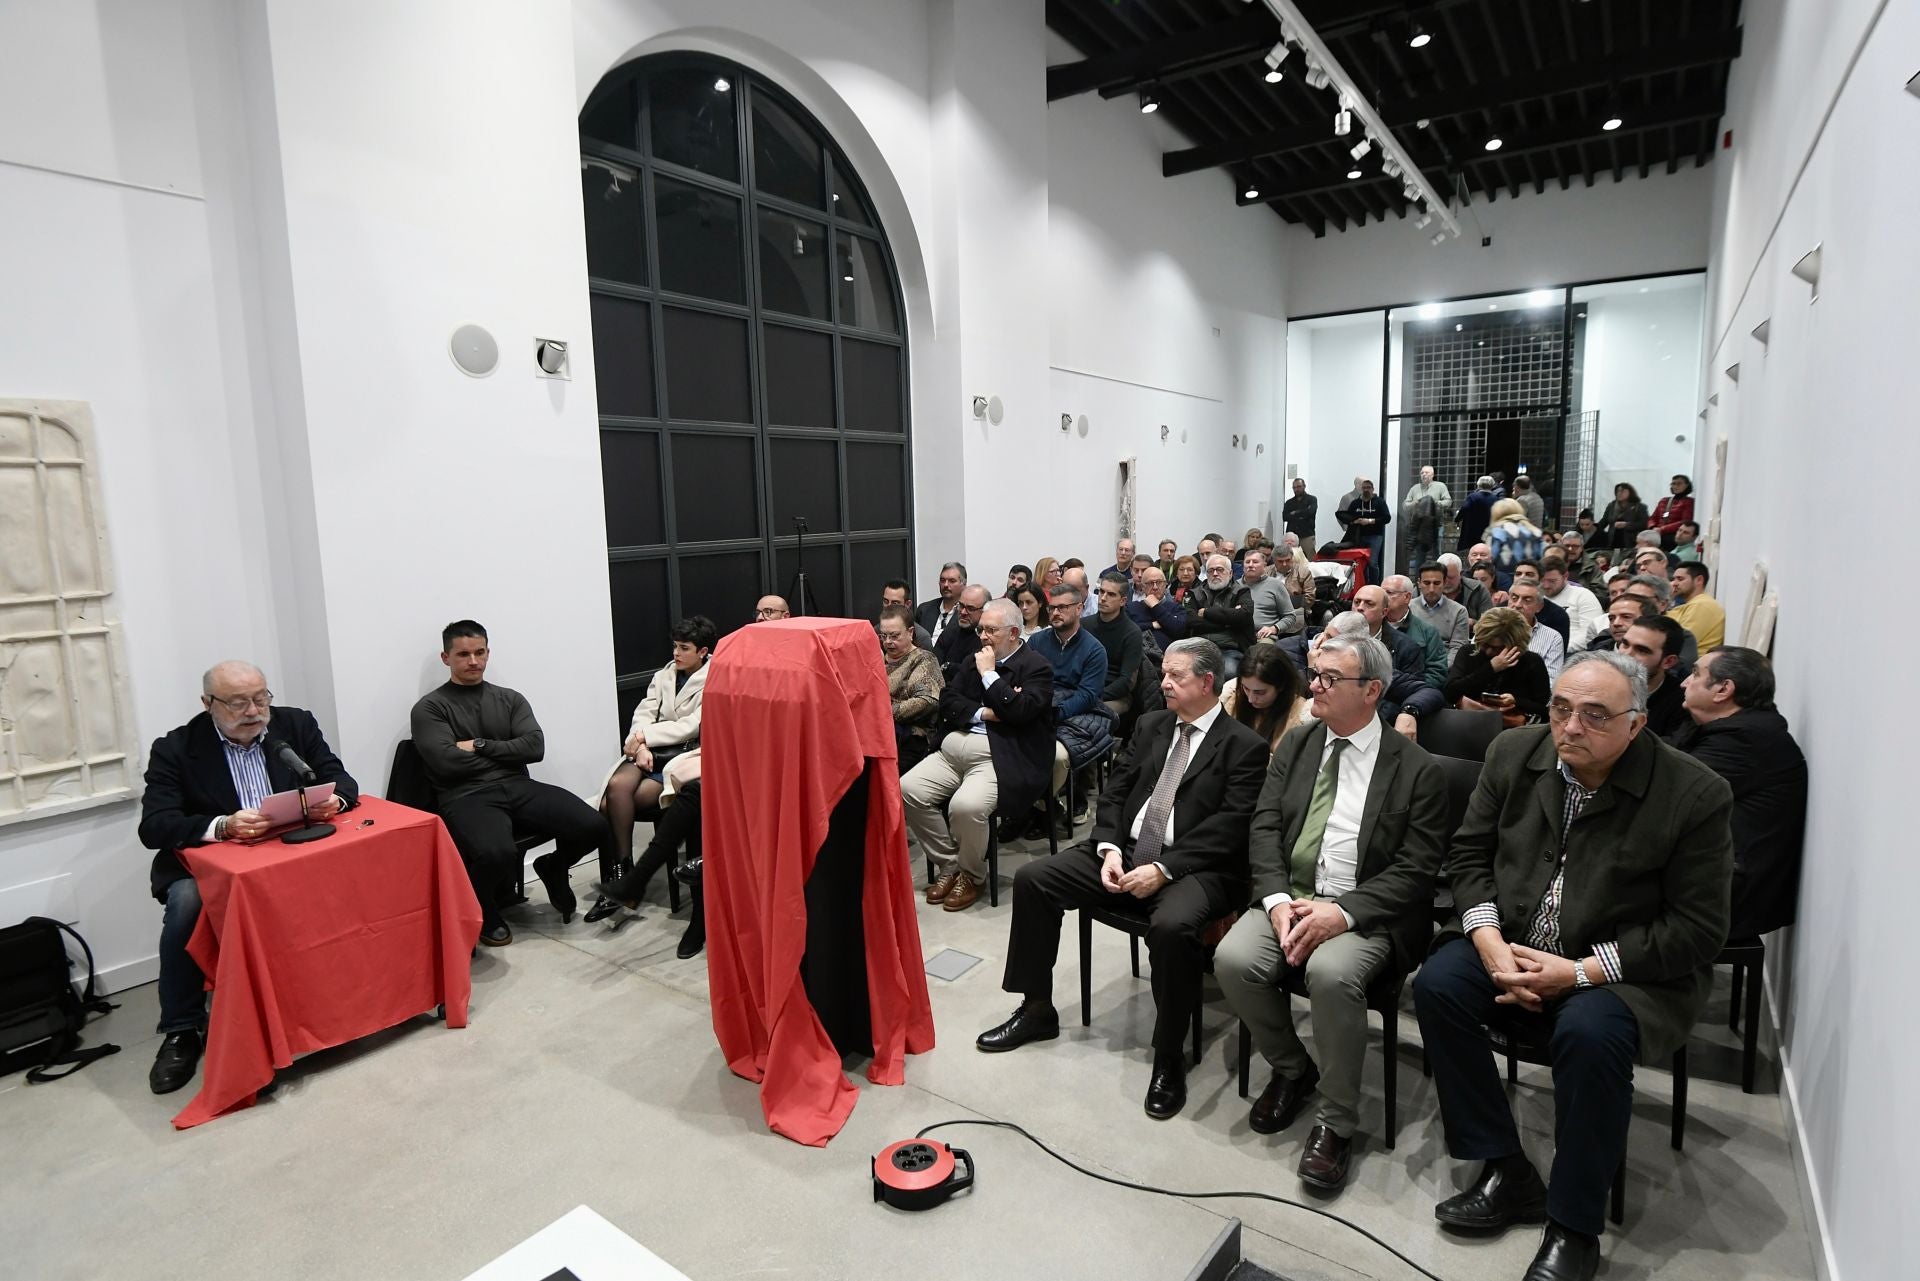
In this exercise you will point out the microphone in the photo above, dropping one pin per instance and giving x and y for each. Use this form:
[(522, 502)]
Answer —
[(284, 753)]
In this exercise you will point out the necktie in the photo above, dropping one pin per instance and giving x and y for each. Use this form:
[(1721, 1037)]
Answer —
[(1153, 828), (1306, 850)]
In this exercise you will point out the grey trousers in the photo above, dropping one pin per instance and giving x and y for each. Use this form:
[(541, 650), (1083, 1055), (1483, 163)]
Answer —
[(1251, 967), (959, 780)]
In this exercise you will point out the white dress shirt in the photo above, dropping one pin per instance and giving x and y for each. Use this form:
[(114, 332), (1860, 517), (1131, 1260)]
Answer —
[(1201, 724), (940, 620), (1585, 618), (1339, 867)]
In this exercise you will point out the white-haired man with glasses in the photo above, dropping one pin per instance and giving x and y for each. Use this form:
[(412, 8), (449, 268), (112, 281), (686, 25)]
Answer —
[(205, 782), (1593, 867)]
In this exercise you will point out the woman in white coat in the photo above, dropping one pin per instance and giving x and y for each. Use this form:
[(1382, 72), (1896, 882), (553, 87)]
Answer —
[(666, 728)]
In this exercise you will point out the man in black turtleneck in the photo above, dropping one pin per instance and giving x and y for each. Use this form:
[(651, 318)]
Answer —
[(476, 741)]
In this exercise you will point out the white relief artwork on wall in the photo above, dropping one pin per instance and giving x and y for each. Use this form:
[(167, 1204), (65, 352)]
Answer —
[(65, 724), (1129, 472)]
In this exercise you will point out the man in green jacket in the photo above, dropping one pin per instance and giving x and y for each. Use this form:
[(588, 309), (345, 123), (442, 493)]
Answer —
[(1593, 871)]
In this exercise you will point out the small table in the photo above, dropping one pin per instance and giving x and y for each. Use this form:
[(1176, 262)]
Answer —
[(311, 946)]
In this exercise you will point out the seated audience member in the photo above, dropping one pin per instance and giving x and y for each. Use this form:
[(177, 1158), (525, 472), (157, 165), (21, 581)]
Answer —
[(768, 608), (1298, 572), (665, 729), (1585, 619), (1734, 729), (1476, 513), (939, 614), (1657, 591), (1480, 553), (1141, 564), (1169, 553), (1589, 529), (1654, 643), (1399, 590), (1186, 577), (1122, 557), (205, 782), (1549, 614), (896, 592), (1018, 577), (677, 827), (1483, 574), (1232, 553), (1606, 951), (475, 741), (1448, 618), (1174, 855), (1686, 541), (1032, 603), (1651, 560), (1269, 696), (1254, 538), (1469, 593), (1694, 609), (1621, 613), (1161, 619), (1074, 575), (1407, 697), (955, 647), (1207, 546), (1221, 610), (1498, 672), (997, 750), (1046, 574), (1340, 899), (913, 683), (1079, 662), (1545, 641), (1273, 612), (1119, 636)]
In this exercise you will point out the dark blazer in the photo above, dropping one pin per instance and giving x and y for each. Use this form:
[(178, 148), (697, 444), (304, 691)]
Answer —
[(189, 784), (1649, 862), (1403, 832), (956, 645), (1212, 805), (1754, 751), (927, 614), (1021, 740)]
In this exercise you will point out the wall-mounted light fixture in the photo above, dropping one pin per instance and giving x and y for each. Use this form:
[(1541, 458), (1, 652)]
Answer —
[(1066, 422), (550, 358), (989, 408), (1808, 269), (1764, 330), (1165, 431)]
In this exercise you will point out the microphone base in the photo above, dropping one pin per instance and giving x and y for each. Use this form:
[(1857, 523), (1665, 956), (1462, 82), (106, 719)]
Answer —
[(301, 835)]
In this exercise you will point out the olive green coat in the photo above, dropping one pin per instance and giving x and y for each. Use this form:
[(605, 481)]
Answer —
[(1649, 866)]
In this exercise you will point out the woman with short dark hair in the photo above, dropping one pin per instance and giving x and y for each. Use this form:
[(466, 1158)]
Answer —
[(1624, 517), (1673, 511)]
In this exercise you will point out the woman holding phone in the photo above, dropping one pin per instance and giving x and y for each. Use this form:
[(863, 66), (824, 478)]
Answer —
[(1498, 672)]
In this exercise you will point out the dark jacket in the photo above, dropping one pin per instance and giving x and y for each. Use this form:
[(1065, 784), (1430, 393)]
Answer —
[(1476, 513), (1376, 508), (189, 785), (1021, 740), (1403, 833), (1473, 674), (1755, 753), (957, 645), (1298, 516), (1121, 639), (927, 614), (1473, 595), (1161, 624), (1212, 804), (1222, 615), (1649, 863), (1408, 689), (1635, 516), (1554, 616)]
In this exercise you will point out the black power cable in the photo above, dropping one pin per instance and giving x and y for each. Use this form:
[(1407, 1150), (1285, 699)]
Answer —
[(1188, 1196)]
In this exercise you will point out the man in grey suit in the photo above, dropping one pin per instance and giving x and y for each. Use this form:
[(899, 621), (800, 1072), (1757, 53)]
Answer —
[(1446, 616), (1593, 869), (1345, 846)]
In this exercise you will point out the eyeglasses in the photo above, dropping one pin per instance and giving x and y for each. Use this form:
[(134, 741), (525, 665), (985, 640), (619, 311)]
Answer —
[(1562, 712), (1327, 680), (245, 702), (1063, 606)]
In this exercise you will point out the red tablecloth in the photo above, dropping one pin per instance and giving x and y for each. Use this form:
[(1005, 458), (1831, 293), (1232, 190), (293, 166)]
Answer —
[(309, 946), (793, 713)]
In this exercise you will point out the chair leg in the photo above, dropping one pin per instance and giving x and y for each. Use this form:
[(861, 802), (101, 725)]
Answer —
[(993, 861), (1199, 999), (1619, 1193), (1513, 1070), (1133, 943), (1733, 1004), (1390, 1078), (1679, 1097), (1086, 969), (673, 891), (1246, 1057), (1750, 1040)]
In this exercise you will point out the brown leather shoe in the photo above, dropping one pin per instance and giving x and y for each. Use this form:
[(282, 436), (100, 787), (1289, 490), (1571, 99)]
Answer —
[(963, 895), (1324, 1163), (1280, 1102), (941, 886)]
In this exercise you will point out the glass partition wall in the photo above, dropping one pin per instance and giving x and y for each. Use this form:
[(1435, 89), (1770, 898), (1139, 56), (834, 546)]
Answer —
[(1576, 387)]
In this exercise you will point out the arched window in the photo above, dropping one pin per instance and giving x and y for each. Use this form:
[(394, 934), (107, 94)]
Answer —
[(750, 354)]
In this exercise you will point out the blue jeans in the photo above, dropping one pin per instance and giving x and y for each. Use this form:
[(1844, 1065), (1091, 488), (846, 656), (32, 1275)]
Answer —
[(1374, 544), (183, 994)]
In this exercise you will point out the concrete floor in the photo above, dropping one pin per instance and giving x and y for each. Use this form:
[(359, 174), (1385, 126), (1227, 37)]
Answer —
[(590, 1075)]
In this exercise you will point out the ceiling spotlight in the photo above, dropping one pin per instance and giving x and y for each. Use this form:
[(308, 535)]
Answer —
[(1275, 75), (1494, 144), (1317, 78), (1389, 168), (1354, 172), (1275, 56), (848, 279), (1611, 123), (1251, 193), (1149, 101), (1423, 221), (1458, 328), (1361, 147), (1437, 237), (1429, 311), (1422, 123), (721, 85), (1342, 123), (1420, 38)]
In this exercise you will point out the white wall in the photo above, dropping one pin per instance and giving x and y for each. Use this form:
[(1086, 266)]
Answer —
[(1636, 227), (1821, 410), (1640, 371), (1337, 436)]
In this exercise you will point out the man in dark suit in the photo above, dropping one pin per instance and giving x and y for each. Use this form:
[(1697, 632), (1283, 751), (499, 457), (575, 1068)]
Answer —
[(997, 753), (205, 782), (1593, 868), (936, 615), (1346, 842), (1300, 514), (1169, 844), (956, 646)]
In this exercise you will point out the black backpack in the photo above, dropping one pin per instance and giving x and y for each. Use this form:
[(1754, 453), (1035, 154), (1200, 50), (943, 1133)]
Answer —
[(42, 1014)]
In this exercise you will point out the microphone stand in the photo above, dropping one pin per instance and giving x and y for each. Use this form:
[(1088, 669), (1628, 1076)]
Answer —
[(801, 593), (308, 829)]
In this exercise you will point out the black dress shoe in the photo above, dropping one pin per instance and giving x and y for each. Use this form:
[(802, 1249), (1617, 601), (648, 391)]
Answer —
[(1280, 1102), (1033, 1021), (688, 873), (496, 935), (1167, 1090), (552, 870), (1508, 1191), (173, 1065), (621, 891), (602, 908), (693, 940), (1564, 1255), (1324, 1163)]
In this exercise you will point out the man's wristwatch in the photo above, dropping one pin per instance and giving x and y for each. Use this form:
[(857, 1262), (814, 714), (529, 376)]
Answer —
[(479, 743), (1580, 978), (220, 828)]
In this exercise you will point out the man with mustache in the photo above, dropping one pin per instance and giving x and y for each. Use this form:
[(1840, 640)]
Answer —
[(205, 782)]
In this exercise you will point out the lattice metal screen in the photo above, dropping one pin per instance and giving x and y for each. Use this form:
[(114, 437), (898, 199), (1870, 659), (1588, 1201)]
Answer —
[(1579, 467)]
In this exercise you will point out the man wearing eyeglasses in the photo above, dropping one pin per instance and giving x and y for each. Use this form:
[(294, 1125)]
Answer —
[(769, 608), (1346, 842), (1593, 866), (205, 782), (956, 645)]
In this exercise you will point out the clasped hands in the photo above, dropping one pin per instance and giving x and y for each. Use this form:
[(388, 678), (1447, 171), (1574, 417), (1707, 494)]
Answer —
[(636, 750), (1526, 977), (1142, 882), (1302, 924)]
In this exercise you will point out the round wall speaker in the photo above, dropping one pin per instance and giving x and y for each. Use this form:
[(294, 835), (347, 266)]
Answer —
[(474, 351)]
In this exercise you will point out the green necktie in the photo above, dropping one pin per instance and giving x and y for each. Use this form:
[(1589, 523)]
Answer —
[(1306, 849)]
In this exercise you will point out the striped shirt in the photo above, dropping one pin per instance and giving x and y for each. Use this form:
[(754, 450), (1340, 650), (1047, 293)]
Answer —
[(248, 765)]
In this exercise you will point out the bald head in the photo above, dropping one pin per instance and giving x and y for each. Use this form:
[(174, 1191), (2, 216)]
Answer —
[(235, 694), (771, 607)]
